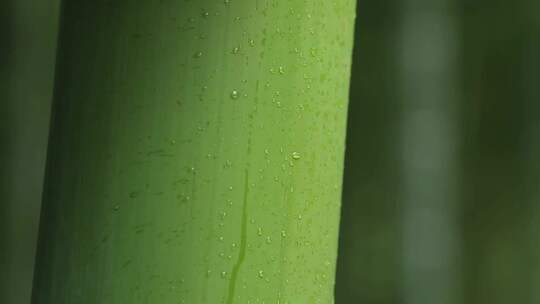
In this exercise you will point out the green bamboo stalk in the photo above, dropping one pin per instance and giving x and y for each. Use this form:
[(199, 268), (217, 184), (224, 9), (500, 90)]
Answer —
[(196, 152)]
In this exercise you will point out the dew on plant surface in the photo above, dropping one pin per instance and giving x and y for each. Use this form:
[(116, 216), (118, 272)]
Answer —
[(251, 42), (223, 274), (116, 207), (198, 54), (205, 14), (268, 240), (235, 50), (259, 231), (235, 94), (281, 70), (296, 155), (261, 274), (283, 233)]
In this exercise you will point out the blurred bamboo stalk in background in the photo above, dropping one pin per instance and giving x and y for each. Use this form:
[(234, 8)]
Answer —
[(427, 51)]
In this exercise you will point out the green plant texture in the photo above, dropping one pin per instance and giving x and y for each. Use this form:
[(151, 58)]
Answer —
[(196, 152)]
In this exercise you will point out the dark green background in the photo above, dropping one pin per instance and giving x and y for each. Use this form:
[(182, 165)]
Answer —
[(445, 92)]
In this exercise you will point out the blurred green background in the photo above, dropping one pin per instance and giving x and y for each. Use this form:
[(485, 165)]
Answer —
[(441, 199), (441, 192), (27, 51)]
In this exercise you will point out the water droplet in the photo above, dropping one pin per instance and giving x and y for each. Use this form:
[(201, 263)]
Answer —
[(259, 231), (198, 54), (283, 233), (268, 240), (235, 50), (223, 274), (296, 155), (235, 94), (116, 207), (281, 70), (261, 274), (251, 42), (205, 14)]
